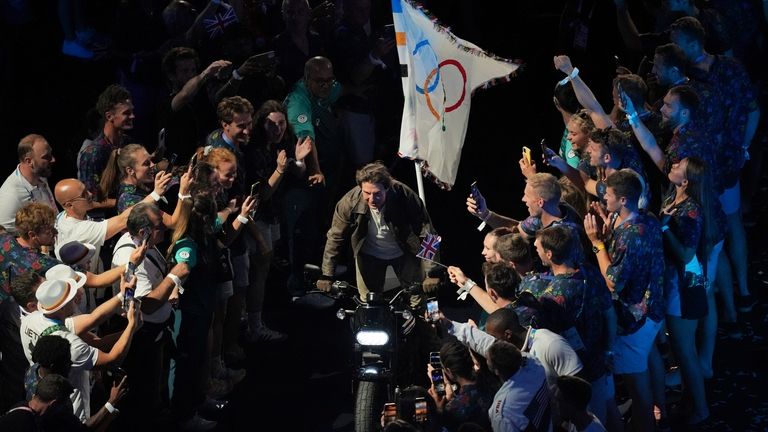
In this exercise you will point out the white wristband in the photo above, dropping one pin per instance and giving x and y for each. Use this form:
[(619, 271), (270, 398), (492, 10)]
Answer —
[(242, 219), (155, 196), (236, 75), (299, 163), (174, 278), (111, 408), (183, 197), (570, 77)]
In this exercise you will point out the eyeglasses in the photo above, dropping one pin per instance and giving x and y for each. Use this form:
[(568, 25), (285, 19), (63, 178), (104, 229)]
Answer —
[(326, 82)]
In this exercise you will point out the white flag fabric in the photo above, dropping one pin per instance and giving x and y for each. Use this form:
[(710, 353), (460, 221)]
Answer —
[(440, 72)]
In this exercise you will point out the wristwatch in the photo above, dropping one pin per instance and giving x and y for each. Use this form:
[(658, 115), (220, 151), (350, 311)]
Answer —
[(598, 247)]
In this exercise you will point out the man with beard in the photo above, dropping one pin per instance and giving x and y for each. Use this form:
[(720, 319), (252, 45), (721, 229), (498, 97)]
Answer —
[(688, 138), (28, 182)]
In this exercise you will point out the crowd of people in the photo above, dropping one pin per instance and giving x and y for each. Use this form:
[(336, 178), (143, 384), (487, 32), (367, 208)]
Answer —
[(124, 287)]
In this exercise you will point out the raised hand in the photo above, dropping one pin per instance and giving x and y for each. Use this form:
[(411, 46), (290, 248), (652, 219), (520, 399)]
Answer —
[(303, 148)]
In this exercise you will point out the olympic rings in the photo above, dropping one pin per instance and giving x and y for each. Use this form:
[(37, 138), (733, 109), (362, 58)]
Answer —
[(416, 49), (436, 71)]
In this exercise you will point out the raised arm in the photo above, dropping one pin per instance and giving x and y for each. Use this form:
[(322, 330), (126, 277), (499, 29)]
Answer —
[(644, 136), (191, 87), (584, 94), (627, 26)]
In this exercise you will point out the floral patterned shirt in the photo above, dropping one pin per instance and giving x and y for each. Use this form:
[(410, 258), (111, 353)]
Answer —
[(16, 259), (585, 298), (129, 195), (469, 404), (637, 264), (92, 159), (737, 96), (691, 140)]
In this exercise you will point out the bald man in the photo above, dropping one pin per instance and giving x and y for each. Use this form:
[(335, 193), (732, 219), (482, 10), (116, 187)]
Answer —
[(73, 223), (28, 182)]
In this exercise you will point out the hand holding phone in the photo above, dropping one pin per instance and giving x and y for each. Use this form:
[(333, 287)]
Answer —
[(438, 381), (546, 152), (527, 155), (255, 188)]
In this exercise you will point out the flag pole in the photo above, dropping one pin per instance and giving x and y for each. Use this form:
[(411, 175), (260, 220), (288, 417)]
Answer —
[(420, 182)]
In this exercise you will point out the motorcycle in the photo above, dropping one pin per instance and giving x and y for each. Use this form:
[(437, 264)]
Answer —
[(379, 328)]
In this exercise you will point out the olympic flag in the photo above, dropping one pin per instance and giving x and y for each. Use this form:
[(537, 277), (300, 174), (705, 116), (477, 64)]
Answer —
[(440, 72)]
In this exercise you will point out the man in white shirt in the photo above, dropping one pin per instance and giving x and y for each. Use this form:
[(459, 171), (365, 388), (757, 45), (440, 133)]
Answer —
[(28, 182), (73, 223), (54, 316), (154, 286)]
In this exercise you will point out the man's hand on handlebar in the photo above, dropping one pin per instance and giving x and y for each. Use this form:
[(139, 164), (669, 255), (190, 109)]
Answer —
[(324, 285)]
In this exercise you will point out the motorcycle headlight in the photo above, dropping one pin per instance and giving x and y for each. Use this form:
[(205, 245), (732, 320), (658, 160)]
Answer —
[(372, 337)]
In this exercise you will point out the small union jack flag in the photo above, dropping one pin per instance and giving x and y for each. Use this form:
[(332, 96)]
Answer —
[(429, 247), (215, 26)]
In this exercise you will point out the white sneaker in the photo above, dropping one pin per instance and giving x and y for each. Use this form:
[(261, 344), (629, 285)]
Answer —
[(197, 423), (73, 48)]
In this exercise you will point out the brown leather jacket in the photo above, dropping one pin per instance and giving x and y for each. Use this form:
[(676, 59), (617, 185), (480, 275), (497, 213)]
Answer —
[(404, 213)]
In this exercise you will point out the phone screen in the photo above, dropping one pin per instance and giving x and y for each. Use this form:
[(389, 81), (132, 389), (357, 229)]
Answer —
[(438, 381), (434, 359), (390, 412), (420, 410), (433, 310)]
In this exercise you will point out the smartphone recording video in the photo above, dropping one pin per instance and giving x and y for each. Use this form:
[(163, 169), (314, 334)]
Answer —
[(433, 311), (434, 359), (438, 381), (420, 410), (527, 154)]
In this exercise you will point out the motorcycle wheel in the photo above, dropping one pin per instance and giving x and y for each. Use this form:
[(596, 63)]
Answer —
[(369, 401)]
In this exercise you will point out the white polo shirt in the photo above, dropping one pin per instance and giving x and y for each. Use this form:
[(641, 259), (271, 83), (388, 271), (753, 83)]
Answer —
[(16, 192), (83, 356), (149, 274)]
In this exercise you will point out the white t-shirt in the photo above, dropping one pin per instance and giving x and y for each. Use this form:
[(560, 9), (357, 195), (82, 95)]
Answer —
[(380, 241), (149, 274), (16, 192), (84, 231), (523, 400), (555, 354), (84, 357)]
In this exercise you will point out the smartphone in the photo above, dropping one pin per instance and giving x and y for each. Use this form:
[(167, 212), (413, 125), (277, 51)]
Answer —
[(434, 359), (255, 188), (130, 270), (420, 410), (193, 160), (438, 381), (527, 154), (171, 161), (390, 412), (433, 311), (474, 190), (389, 31), (263, 59), (114, 376), (546, 151)]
